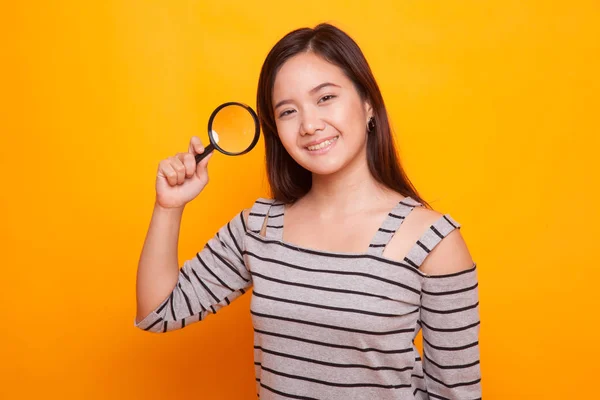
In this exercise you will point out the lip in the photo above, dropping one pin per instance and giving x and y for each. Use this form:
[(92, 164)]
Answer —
[(324, 150), (315, 142)]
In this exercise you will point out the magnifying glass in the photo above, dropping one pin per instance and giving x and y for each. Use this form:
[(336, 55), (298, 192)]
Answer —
[(233, 129)]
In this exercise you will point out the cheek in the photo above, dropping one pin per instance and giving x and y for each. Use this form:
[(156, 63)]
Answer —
[(287, 133), (348, 113), (347, 118)]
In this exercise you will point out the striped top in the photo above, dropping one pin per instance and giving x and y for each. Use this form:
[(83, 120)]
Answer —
[(333, 325)]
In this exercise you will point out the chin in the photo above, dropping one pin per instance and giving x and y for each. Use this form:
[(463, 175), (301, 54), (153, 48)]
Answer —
[(326, 166)]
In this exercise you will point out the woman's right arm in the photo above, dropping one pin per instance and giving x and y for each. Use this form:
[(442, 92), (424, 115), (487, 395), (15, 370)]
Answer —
[(169, 297), (158, 267)]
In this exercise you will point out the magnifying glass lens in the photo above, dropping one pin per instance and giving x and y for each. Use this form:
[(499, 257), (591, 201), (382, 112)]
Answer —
[(233, 129)]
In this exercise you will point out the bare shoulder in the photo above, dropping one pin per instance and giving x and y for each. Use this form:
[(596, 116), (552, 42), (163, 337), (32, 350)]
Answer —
[(451, 254)]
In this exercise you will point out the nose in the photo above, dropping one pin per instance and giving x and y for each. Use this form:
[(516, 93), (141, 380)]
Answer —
[(311, 123)]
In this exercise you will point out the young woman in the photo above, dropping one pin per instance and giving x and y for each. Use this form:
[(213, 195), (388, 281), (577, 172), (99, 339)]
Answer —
[(347, 262)]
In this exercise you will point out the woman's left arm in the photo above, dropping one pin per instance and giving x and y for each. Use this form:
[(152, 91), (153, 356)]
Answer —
[(450, 322)]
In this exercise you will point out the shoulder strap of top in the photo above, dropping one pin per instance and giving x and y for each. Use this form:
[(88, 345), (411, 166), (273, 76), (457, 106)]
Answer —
[(262, 208), (275, 221), (432, 236), (390, 225), (257, 215)]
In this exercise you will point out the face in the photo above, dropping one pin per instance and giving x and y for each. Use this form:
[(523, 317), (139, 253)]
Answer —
[(321, 119)]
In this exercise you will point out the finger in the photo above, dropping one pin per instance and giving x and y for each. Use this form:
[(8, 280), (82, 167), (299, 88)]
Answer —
[(202, 167), (179, 169), (165, 169), (196, 146), (189, 162)]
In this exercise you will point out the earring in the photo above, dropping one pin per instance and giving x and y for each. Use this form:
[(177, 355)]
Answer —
[(371, 125)]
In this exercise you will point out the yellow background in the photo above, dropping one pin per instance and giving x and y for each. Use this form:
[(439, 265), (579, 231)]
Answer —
[(495, 106)]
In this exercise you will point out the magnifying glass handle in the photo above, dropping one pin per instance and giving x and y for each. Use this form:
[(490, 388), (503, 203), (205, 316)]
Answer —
[(207, 150)]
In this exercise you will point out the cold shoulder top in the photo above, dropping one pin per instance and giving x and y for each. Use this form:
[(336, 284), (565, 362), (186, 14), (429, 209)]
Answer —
[(333, 325)]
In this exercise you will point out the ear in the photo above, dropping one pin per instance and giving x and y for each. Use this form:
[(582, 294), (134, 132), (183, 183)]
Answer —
[(368, 109)]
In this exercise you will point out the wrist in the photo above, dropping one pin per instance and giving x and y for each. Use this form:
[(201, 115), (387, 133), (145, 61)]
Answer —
[(168, 210)]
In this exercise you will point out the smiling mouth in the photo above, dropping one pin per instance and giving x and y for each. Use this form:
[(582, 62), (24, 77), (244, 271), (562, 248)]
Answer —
[(323, 144)]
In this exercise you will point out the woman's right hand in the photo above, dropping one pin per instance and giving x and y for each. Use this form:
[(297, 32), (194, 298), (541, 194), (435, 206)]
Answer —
[(179, 179)]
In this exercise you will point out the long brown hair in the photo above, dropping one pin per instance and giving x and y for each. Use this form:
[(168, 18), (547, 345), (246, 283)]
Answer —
[(288, 180)]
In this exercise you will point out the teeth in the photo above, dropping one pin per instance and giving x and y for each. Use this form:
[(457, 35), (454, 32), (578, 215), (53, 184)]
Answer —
[(322, 144)]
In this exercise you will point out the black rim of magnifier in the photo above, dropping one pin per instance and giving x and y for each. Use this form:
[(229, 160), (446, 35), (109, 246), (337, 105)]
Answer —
[(214, 145)]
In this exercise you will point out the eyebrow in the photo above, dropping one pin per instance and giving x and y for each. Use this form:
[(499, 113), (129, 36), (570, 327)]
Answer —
[(312, 91)]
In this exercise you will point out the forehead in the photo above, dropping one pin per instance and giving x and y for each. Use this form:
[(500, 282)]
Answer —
[(304, 71)]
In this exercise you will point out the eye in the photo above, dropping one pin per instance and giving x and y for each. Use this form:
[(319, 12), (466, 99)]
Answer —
[(285, 113), (326, 97)]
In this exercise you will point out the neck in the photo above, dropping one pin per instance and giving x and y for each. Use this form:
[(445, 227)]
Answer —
[(350, 190)]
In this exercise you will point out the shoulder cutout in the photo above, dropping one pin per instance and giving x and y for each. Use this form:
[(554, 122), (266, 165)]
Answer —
[(451, 255), (257, 216), (417, 222), (246, 214)]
